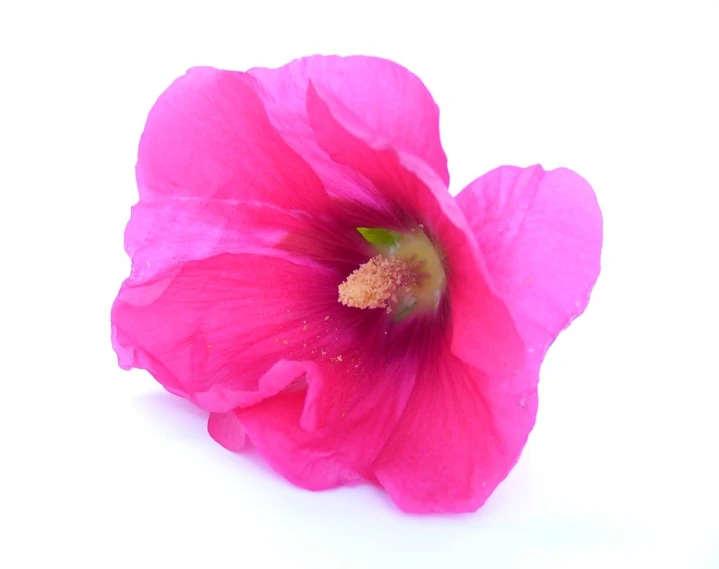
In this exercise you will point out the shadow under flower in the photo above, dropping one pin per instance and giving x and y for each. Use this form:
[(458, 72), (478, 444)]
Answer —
[(182, 422)]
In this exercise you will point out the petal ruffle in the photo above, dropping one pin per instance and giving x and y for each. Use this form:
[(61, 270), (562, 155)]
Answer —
[(214, 176), (354, 414), (165, 233), (330, 433), (463, 430), (208, 137), (387, 97), (460, 435), (212, 330), (541, 235), (227, 430)]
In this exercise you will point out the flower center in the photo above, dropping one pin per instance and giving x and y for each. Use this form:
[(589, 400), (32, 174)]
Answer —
[(379, 283), (405, 276)]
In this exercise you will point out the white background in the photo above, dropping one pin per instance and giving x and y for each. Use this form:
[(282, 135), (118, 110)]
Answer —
[(101, 468)]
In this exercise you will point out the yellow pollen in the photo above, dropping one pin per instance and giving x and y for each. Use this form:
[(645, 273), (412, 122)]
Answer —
[(376, 283)]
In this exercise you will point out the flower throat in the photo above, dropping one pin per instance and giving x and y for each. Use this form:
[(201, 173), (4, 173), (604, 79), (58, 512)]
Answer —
[(404, 277)]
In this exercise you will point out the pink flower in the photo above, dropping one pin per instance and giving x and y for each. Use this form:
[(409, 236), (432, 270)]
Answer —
[(300, 271)]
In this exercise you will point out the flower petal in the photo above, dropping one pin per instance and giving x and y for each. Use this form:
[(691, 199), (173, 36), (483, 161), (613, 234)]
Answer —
[(208, 137), (226, 429), (212, 330), (463, 430), (541, 235), (484, 332), (215, 177), (460, 434), (165, 233), (389, 98), (330, 436)]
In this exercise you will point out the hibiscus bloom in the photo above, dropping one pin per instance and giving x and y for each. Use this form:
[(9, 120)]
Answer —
[(301, 272)]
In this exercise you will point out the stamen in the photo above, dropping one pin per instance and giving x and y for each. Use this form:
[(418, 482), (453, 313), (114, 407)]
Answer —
[(376, 283)]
